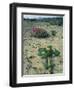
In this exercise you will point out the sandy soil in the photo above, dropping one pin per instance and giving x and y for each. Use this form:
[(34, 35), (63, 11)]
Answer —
[(34, 65)]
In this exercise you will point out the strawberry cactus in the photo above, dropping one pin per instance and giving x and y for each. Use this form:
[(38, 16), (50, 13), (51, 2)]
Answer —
[(39, 32), (46, 54)]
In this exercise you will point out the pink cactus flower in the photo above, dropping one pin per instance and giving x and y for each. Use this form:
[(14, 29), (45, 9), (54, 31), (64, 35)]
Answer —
[(34, 29)]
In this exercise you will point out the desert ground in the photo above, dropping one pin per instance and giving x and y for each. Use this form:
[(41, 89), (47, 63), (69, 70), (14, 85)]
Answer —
[(32, 64)]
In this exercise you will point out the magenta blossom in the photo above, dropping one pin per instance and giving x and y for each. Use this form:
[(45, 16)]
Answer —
[(35, 29)]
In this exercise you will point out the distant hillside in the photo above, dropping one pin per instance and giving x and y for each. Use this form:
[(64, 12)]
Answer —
[(52, 21)]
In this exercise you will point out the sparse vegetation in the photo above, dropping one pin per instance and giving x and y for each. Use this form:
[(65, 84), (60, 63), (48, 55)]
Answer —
[(43, 49), (53, 21)]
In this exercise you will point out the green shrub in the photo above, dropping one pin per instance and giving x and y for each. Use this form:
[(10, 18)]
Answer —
[(51, 53), (53, 33)]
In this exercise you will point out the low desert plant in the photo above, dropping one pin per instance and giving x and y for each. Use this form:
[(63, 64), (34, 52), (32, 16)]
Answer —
[(48, 53), (53, 33), (39, 33)]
